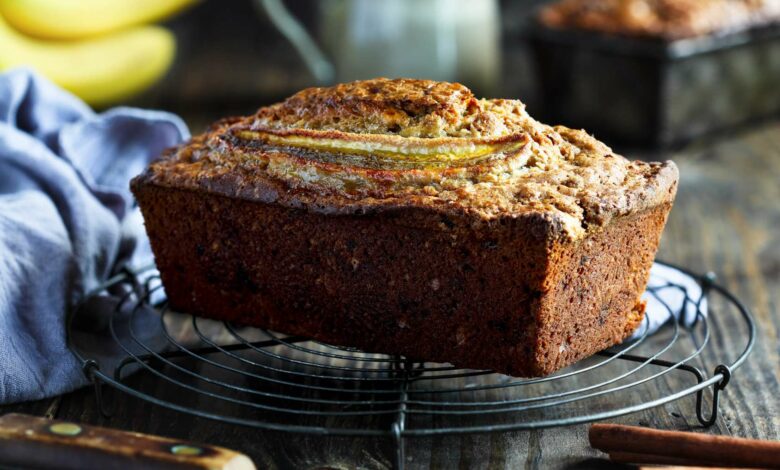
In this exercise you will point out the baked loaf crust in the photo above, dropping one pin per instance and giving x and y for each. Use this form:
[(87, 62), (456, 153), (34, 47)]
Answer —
[(666, 19), (409, 217)]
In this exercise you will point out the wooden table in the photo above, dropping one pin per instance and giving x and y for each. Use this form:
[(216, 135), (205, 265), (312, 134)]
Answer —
[(726, 219)]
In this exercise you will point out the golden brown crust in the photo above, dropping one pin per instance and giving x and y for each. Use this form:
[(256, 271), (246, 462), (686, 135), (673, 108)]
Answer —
[(420, 108), (668, 19), (380, 144)]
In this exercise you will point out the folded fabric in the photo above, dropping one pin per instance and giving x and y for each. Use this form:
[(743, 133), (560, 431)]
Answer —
[(671, 293), (67, 220)]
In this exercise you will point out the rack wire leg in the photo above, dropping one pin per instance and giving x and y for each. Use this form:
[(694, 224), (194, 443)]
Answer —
[(405, 368), (707, 422), (89, 370), (400, 452)]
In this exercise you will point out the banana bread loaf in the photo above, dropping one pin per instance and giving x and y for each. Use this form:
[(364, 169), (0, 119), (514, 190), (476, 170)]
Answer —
[(409, 217), (665, 19)]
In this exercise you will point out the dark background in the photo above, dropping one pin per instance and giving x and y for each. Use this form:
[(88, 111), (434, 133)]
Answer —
[(232, 59)]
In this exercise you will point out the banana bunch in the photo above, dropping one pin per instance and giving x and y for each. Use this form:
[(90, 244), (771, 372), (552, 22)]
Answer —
[(101, 50)]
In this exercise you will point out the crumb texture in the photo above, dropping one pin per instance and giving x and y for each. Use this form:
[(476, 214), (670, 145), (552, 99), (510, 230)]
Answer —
[(380, 144), (670, 19)]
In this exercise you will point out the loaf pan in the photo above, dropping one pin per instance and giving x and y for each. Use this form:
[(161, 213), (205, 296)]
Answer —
[(656, 92)]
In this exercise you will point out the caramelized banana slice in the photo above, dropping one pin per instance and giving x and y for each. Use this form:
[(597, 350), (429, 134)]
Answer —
[(382, 151)]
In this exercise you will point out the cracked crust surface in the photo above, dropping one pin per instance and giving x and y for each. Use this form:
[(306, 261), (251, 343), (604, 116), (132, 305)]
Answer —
[(667, 19), (374, 145)]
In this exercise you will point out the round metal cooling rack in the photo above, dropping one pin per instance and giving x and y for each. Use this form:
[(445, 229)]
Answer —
[(261, 379)]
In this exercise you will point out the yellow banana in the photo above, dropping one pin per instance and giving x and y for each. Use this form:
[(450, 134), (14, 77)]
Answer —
[(101, 70), (72, 19)]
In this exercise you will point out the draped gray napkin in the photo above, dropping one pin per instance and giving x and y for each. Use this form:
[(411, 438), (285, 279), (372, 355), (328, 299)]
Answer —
[(67, 221)]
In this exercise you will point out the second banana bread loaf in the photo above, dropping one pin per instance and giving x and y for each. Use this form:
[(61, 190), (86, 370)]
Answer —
[(665, 19)]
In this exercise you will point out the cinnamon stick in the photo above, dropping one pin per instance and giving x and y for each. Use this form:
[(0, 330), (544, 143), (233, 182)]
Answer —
[(676, 447)]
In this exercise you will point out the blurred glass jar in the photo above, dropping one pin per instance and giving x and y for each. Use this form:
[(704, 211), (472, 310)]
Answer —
[(454, 40)]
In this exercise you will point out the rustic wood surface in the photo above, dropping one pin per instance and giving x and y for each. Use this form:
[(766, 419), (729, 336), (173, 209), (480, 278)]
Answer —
[(726, 219)]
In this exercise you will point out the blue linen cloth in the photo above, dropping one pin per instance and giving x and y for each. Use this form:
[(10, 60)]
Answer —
[(67, 220)]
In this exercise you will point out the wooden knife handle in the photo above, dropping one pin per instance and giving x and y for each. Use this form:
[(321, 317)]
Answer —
[(33, 442)]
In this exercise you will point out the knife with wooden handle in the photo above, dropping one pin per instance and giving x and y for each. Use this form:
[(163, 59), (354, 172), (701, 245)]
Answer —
[(33, 442)]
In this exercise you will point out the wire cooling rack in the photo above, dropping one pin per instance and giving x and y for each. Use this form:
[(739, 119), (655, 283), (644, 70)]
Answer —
[(261, 379)]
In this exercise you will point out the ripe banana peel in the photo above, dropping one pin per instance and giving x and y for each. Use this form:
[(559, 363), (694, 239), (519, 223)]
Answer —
[(102, 70), (76, 19)]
